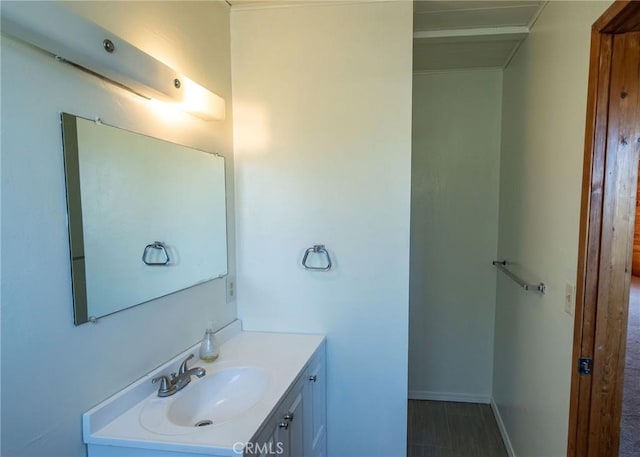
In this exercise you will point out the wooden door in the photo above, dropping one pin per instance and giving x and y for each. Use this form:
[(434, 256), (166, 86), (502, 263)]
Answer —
[(606, 234)]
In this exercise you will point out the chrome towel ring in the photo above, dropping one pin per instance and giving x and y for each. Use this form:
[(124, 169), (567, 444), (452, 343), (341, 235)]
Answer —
[(317, 249), (156, 245)]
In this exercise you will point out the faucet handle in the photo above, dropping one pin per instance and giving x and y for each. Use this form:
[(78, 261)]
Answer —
[(183, 366), (166, 386), (164, 381)]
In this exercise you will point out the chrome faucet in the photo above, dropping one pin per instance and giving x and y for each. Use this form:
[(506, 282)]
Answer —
[(177, 382)]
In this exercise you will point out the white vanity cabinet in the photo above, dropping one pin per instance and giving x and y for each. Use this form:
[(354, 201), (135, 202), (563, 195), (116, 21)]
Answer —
[(283, 433), (297, 428), (264, 396)]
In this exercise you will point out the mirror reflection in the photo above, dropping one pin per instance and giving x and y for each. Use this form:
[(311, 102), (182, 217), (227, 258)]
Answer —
[(146, 217)]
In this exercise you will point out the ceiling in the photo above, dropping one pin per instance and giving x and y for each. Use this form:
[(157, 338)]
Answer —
[(455, 34)]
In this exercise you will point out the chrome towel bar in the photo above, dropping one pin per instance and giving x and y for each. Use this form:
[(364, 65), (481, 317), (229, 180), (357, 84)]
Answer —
[(502, 266)]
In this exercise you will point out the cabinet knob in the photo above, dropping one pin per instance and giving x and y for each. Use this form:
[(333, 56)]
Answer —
[(313, 378), (288, 417), (284, 425)]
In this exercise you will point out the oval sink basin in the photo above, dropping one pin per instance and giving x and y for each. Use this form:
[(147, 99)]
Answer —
[(218, 397)]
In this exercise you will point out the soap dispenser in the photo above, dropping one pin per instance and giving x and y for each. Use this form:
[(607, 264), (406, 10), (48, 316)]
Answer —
[(209, 350)]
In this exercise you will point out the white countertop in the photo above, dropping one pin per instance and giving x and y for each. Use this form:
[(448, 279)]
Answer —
[(116, 421)]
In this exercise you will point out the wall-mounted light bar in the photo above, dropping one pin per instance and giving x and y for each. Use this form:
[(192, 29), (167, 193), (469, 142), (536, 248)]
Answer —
[(54, 28)]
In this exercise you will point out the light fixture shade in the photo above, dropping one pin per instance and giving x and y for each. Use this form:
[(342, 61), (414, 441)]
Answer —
[(54, 28)]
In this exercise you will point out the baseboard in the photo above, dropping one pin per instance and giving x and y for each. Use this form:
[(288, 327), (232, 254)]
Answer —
[(502, 428), (448, 396)]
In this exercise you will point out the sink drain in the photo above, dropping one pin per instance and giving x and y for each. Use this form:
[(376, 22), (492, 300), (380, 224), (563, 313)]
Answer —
[(203, 423)]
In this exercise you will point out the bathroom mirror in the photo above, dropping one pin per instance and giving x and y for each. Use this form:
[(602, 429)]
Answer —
[(146, 217)]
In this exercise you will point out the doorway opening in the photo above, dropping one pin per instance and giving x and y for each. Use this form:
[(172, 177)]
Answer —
[(610, 179), (630, 420)]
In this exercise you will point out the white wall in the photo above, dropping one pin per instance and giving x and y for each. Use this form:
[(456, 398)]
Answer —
[(454, 233), (322, 131), (544, 104), (53, 371)]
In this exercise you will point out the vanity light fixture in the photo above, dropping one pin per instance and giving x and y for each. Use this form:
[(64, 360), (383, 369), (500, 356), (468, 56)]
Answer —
[(57, 30)]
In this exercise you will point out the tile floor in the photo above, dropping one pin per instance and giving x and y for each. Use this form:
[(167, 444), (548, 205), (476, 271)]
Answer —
[(445, 429)]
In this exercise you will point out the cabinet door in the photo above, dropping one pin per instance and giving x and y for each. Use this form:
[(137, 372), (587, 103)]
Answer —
[(315, 410), (298, 426), (266, 443), (268, 447), (291, 435)]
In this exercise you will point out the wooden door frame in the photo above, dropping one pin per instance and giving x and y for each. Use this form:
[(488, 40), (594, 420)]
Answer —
[(603, 277)]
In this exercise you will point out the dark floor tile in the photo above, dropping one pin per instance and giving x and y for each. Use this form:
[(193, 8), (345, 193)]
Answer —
[(471, 437), (493, 432), (413, 450), (428, 423), (466, 436), (466, 409), (436, 451), (410, 423), (487, 412), (441, 429)]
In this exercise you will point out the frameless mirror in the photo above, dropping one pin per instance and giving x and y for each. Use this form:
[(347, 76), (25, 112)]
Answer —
[(146, 217)]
